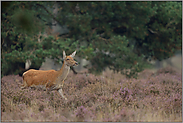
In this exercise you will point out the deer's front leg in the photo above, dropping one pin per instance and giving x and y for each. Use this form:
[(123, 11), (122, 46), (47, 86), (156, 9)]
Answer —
[(61, 93), (62, 84)]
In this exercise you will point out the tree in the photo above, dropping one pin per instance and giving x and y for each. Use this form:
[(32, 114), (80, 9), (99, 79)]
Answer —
[(19, 30), (119, 35)]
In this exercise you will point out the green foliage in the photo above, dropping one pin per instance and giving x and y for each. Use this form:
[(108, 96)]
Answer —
[(119, 35), (168, 33)]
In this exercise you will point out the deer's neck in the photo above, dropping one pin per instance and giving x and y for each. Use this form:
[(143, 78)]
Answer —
[(63, 72)]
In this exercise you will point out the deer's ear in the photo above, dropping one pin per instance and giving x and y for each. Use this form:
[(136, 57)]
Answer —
[(64, 55), (73, 54)]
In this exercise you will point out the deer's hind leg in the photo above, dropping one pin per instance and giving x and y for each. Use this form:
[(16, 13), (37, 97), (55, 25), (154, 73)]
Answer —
[(24, 85), (48, 90)]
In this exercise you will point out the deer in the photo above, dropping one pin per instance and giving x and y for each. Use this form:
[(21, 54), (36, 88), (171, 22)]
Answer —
[(51, 79)]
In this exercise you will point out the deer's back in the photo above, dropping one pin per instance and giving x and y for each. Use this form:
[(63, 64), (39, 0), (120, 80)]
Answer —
[(40, 77)]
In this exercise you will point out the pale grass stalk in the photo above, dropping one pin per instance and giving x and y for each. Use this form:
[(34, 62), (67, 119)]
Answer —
[(99, 117), (148, 115)]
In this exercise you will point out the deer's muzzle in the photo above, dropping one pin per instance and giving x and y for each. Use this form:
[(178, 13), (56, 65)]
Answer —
[(76, 64)]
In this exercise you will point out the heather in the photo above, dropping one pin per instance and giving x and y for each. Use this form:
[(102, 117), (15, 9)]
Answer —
[(108, 97)]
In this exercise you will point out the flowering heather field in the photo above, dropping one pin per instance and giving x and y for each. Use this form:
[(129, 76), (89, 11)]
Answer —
[(108, 97)]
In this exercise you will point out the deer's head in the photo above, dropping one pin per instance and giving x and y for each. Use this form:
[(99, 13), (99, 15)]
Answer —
[(69, 60)]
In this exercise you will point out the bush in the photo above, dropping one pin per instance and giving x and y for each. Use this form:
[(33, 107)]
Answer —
[(108, 97)]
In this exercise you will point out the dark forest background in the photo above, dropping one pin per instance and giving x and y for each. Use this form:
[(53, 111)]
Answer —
[(122, 36)]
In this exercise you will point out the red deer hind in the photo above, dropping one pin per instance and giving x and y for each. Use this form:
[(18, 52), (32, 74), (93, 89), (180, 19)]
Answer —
[(51, 79)]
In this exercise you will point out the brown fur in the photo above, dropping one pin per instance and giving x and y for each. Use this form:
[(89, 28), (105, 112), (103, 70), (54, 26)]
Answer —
[(40, 77)]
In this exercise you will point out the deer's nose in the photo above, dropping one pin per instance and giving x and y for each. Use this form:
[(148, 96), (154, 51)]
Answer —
[(76, 63)]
